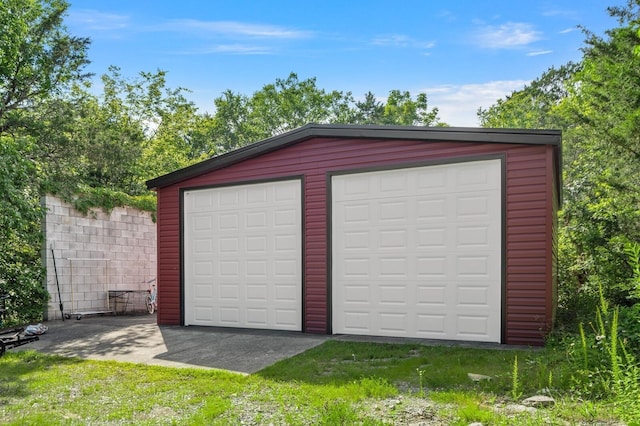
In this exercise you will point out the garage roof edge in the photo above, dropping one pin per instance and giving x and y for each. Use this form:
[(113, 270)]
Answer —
[(427, 134)]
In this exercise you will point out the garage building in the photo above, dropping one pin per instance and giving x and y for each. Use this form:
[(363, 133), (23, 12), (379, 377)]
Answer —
[(435, 233)]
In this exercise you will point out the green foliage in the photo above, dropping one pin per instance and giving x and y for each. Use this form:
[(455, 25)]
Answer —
[(629, 328), (276, 108), (538, 106), (603, 368), (516, 386), (421, 374), (400, 109), (38, 57), (602, 209), (290, 103), (632, 251), (88, 198), (337, 413), (21, 271), (595, 104)]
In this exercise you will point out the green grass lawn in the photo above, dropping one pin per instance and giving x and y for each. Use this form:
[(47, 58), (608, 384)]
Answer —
[(334, 383)]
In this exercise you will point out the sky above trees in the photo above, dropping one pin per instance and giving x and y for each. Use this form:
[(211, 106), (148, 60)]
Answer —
[(463, 54)]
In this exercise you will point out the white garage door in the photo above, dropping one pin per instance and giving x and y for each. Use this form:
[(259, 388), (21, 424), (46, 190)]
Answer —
[(242, 256), (416, 252)]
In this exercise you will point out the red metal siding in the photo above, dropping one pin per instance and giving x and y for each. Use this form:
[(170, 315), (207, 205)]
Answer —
[(552, 187), (528, 203), (168, 256), (528, 208)]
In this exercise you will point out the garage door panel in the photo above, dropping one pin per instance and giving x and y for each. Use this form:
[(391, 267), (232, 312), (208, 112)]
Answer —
[(226, 292), (257, 317), (431, 295), (286, 293), (473, 327), (356, 322), (390, 239), (204, 313), (202, 223), (432, 267), (228, 222), (430, 326), (470, 207), (243, 248), (355, 293), (286, 243), (393, 295), (286, 319), (469, 296), (256, 293), (227, 198), (430, 238), (391, 211), (421, 248), (229, 316), (393, 323), (434, 209), (473, 236), (355, 213)]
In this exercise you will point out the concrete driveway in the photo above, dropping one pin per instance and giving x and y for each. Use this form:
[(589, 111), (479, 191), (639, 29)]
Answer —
[(139, 339)]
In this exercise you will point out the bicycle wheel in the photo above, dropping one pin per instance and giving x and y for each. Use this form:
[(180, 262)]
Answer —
[(149, 303)]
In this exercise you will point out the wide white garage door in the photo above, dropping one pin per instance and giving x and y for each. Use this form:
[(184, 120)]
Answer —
[(416, 252), (242, 256)]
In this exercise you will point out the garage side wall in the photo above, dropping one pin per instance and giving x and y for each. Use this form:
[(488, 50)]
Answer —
[(528, 204)]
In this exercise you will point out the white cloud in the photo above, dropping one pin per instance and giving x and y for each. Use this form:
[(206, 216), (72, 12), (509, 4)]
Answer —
[(234, 49), (507, 36), (447, 15), (391, 40), (563, 13), (568, 30), (458, 104), (94, 20), (401, 40), (539, 52), (233, 29)]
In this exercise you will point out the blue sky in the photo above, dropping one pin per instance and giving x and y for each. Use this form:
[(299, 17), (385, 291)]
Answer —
[(463, 54)]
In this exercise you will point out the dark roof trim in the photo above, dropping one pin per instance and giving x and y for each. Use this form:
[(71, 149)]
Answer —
[(427, 134)]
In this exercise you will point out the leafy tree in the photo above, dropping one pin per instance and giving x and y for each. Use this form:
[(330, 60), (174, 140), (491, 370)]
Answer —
[(596, 103), (603, 170), (134, 130), (369, 110), (401, 109), (38, 59), (290, 103), (182, 137), (537, 106), (276, 108), (21, 272)]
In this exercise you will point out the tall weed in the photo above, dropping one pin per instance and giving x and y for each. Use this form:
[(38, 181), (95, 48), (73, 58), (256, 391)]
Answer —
[(605, 368)]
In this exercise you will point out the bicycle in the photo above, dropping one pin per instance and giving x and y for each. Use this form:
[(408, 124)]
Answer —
[(151, 299)]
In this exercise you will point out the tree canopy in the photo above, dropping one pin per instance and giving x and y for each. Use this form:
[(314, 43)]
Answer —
[(596, 103), (38, 60), (38, 57)]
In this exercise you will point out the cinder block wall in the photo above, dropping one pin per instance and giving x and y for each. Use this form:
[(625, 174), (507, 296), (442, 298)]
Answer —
[(95, 253)]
